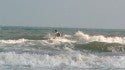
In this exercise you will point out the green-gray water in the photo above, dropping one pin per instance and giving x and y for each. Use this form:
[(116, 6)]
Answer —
[(29, 48)]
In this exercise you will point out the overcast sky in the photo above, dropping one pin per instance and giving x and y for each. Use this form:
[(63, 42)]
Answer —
[(63, 13)]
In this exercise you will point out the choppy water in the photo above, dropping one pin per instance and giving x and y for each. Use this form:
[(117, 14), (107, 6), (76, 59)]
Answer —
[(28, 48)]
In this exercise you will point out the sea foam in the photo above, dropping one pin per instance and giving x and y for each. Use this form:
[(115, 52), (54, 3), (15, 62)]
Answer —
[(75, 60)]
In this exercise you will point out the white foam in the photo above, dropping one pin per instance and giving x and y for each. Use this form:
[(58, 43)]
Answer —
[(60, 40), (67, 36), (53, 43), (100, 38), (13, 41), (77, 60)]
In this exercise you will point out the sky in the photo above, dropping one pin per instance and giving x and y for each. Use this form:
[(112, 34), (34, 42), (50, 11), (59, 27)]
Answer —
[(108, 14)]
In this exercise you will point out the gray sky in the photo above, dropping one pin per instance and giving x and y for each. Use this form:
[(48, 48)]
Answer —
[(63, 13)]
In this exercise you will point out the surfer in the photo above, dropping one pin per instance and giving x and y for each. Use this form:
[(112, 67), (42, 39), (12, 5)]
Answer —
[(56, 34)]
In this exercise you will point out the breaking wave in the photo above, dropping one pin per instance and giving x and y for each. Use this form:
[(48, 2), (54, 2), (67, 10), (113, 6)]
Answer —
[(13, 41), (76, 38), (82, 37), (78, 41), (71, 59)]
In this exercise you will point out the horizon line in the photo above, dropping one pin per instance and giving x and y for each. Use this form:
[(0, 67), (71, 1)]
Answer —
[(58, 27)]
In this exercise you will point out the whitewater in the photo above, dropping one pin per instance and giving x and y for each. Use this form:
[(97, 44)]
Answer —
[(30, 48)]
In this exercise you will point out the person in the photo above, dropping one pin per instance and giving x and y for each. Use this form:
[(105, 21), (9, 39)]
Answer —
[(56, 34)]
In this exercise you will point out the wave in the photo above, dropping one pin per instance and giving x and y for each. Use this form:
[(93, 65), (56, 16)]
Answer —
[(13, 41), (82, 37), (100, 47), (71, 59), (76, 38), (78, 41), (49, 44), (49, 40)]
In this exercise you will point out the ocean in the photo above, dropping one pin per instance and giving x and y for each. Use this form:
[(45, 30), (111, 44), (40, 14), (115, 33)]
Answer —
[(34, 48)]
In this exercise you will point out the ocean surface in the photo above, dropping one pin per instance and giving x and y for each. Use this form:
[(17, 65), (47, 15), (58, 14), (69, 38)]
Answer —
[(34, 48)]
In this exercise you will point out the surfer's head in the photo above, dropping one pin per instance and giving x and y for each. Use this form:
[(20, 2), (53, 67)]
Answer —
[(55, 30)]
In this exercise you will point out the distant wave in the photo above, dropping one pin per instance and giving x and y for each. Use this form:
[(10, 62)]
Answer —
[(76, 38)]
